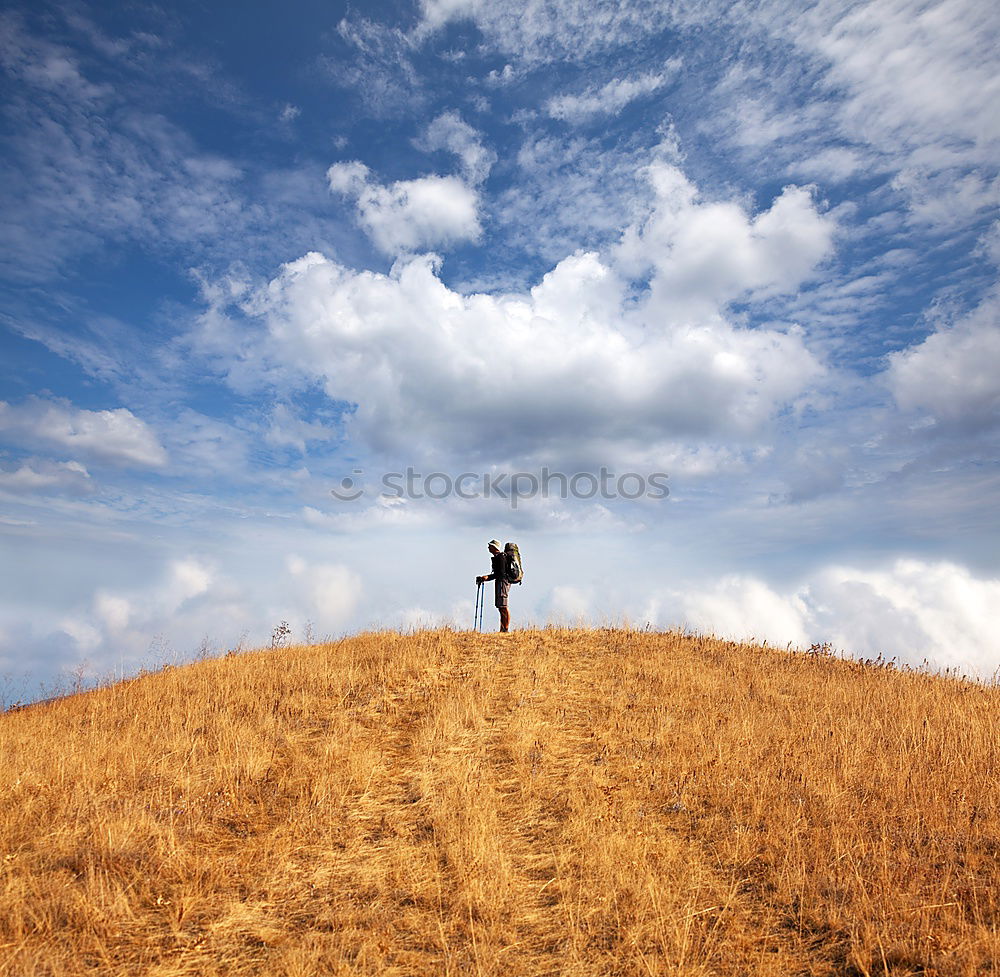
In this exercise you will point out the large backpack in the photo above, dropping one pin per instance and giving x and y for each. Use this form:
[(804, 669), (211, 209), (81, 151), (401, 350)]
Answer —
[(513, 569)]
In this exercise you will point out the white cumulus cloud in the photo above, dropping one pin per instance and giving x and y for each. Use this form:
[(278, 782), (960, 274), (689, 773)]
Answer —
[(567, 367), (912, 610), (587, 362), (953, 373), (331, 590), (704, 254), (116, 436), (119, 626), (744, 607), (409, 215)]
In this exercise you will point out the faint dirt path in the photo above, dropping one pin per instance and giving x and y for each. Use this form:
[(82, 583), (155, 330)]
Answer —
[(499, 827)]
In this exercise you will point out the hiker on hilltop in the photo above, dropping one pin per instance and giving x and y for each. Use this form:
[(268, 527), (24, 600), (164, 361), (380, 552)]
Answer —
[(502, 579)]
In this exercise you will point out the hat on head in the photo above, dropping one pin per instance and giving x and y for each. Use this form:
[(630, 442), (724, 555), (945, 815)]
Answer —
[(496, 543)]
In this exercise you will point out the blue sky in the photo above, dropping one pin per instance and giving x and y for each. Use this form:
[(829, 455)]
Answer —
[(249, 251)]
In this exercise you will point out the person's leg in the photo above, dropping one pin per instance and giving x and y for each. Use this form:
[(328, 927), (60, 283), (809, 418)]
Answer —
[(503, 588)]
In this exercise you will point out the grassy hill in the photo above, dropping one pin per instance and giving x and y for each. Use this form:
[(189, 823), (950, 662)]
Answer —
[(546, 802)]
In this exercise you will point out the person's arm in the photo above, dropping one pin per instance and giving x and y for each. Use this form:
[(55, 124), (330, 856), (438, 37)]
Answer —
[(488, 576)]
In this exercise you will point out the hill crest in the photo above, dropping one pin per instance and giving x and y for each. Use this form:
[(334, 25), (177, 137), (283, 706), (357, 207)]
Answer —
[(571, 801)]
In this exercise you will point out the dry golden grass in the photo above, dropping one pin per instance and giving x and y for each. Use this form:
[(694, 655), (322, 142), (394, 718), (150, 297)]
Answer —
[(546, 802)]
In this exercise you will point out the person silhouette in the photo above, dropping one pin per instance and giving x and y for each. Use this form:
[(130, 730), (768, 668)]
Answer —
[(501, 585)]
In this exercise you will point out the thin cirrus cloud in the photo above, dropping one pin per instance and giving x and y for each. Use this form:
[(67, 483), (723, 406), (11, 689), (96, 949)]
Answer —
[(915, 79), (910, 82), (541, 31), (610, 98), (912, 88), (450, 132), (41, 475), (92, 169)]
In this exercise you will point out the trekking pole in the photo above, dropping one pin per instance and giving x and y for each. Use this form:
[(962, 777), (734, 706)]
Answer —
[(477, 618)]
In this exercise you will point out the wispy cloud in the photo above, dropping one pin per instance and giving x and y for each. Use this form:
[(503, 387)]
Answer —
[(912, 87), (570, 193), (611, 97), (379, 70), (550, 30), (89, 170), (40, 475), (450, 132)]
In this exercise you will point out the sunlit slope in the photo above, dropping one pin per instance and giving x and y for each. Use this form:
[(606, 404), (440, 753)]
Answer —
[(544, 802)]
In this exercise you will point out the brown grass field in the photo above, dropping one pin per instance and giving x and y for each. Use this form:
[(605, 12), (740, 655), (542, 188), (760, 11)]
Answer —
[(546, 802)]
